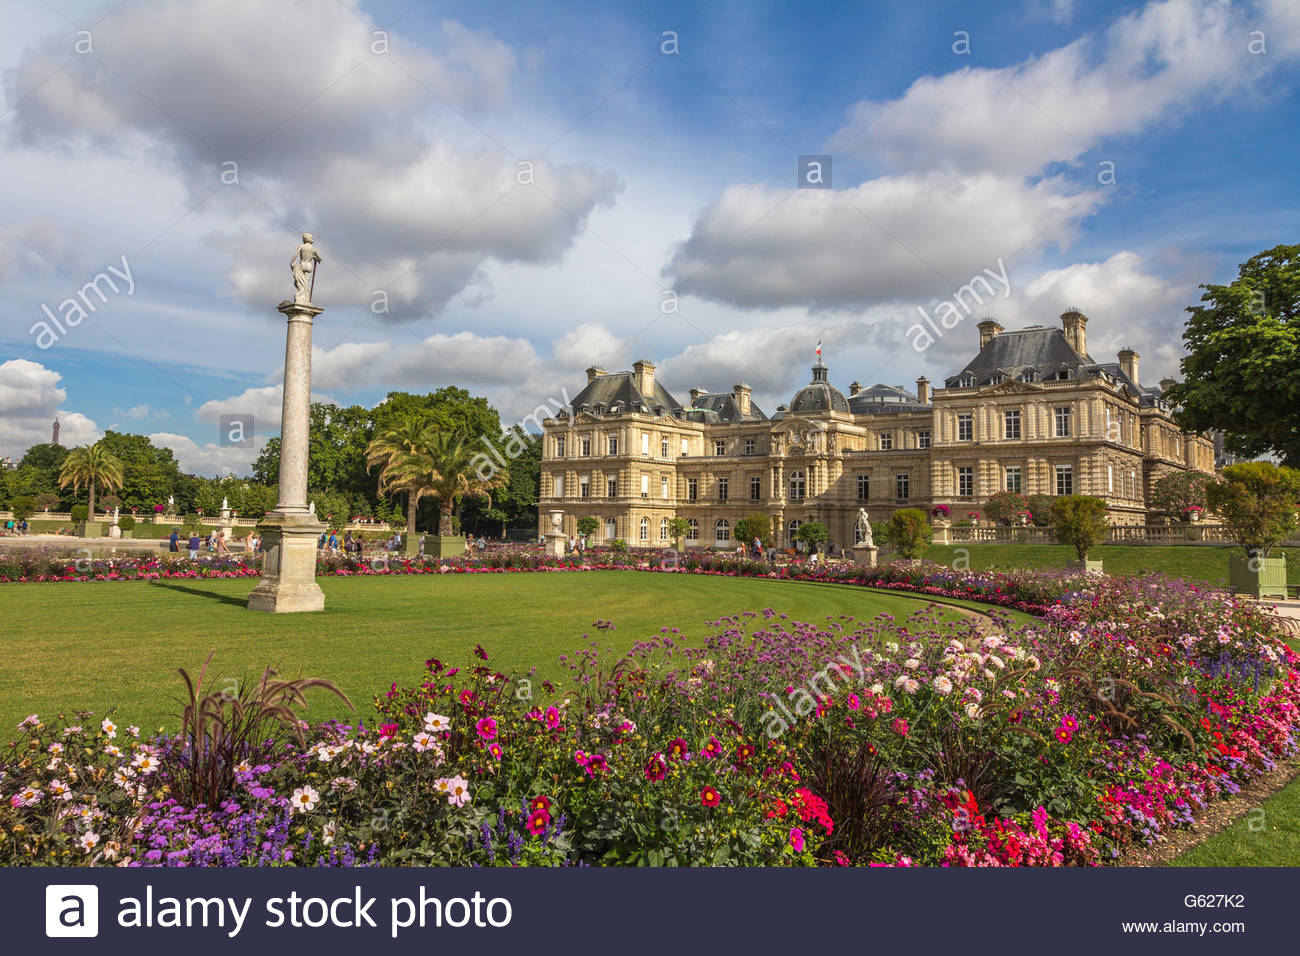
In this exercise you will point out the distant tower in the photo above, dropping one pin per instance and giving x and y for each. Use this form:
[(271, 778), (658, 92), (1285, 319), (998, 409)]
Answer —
[(54, 439)]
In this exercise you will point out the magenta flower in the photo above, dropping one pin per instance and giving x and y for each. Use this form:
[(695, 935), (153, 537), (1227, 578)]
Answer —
[(487, 728)]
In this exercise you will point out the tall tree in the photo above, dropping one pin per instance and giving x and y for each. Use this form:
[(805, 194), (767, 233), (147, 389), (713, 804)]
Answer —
[(91, 465), (401, 454), (1243, 365)]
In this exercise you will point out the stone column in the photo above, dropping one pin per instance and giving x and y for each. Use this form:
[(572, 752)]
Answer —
[(290, 532)]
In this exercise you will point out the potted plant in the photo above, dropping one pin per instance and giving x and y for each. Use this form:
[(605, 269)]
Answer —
[(939, 515), (126, 523), (1194, 513), (1257, 500), (1080, 521), (909, 532)]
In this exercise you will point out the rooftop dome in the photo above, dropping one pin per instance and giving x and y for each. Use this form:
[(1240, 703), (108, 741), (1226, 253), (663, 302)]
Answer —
[(819, 395)]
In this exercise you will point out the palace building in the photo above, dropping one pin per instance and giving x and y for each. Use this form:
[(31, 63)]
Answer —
[(1031, 412)]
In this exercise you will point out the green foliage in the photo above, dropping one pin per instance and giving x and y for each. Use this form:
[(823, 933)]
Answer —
[(618, 544), (22, 506), (1040, 507), (678, 528), (149, 473), (813, 532), (191, 523), (1005, 507), (747, 529), (1244, 350), (1080, 521), (1179, 491), (909, 531), (91, 465), (587, 525), (1258, 502), (126, 523), (80, 513)]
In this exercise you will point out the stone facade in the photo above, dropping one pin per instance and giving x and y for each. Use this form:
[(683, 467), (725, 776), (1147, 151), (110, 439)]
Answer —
[(1032, 412)]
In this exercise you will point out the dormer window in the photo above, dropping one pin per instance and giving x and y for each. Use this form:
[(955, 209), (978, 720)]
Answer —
[(966, 381), (1029, 375)]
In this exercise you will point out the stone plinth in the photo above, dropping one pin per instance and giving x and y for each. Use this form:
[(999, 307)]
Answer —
[(289, 565), (444, 546), (555, 544), (115, 532), (227, 525), (865, 556)]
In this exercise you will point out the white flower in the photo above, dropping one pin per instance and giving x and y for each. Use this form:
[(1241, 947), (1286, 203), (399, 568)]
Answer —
[(145, 762), (243, 767), (113, 750), (989, 674), (133, 731), (891, 646), (59, 790), (89, 840), (877, 689), (422, 742), (304, 799), (55, 748), (1053, 686), (435, 723), (973, 711), (343, 783), (69, 731), (942, 685), (993, 640), (109, 728), (28, 796), (911, 663), (328, 832), (911, 686), (123, 777), (29, 721)]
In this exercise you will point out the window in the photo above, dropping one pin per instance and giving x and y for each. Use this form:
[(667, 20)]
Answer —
[(1062, 422), (1012, 482), (798, 486), (1029, 375), (663, 487), (755, 488), (1011, 423), (722, 530), (966, 381), (686, 445), (965, 482), (749, 446), (611, 529), (1110, 479), (586, 446), (719, 447), (965, 427), (584, 487), (559, 486), (693, 532), (902, 486), (923, 439), (692, 489), (886, 442), (559, 446), (663, 447), (613, 444), (722, 489), (611, 487), (795, 525), (1133, 484), (645, 443), (1064, 480), (645, 486), (663, 529), (864, 487), (644, 534)]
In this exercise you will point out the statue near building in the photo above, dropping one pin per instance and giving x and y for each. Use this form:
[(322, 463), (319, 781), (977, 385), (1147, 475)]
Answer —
[(863, 528)]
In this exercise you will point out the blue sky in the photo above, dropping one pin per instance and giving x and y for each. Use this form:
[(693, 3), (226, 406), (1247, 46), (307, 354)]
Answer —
[(396, 135)]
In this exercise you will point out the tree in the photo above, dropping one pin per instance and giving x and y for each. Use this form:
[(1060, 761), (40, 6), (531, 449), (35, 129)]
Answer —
[(1006, 507), (1040, 510), (909, 531), (1080, 521), (22, 507), (753, 526), (678, 528), (453, 475), (1258, 502), (401, 452), (90, 465), (587, 525), (149, 473), (1178, 492), (1242, 371), (813, 533)]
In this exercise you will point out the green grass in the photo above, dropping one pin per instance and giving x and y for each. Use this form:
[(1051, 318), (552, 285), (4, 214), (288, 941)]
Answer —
[(96, 645), (1185, 561), (1265, 836)]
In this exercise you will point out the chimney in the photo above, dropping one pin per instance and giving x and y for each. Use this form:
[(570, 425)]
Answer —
[(696, 392), (594, 373), (855, 387), (643, 375), (989, 330), (740, 391), (1167, 383), (923, 390), (1128, 362), (1075, 324)]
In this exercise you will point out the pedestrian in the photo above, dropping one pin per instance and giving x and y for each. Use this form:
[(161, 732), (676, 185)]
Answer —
[(481, 544), (173, 542), (195, 543), (222, 550)]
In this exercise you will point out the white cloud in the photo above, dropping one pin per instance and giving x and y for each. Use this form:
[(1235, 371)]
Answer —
[(30, 399), (135, 413), (208, 459)]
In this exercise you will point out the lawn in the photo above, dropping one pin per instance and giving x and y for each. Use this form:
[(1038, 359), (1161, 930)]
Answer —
[(97, 645), (1265, 836), (1201, 563)]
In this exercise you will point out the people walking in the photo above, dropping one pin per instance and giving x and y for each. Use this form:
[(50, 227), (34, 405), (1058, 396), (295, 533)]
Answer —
[(173, 542), (195, 543)]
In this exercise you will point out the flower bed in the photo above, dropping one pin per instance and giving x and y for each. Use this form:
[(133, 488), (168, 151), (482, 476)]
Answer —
[(1124, 712)]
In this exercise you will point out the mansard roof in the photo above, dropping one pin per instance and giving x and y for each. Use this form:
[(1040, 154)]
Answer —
[(617, 393), (882, 399), (724, 408), (1042, 350)]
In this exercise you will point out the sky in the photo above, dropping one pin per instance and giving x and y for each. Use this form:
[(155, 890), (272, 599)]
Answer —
[(504, 194)]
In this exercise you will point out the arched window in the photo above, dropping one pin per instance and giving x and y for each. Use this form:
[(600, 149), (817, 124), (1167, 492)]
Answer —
[(722, 530), (798, 486), (694, 533), (645, 529), (795, 525), (663, 529), (611, 529)]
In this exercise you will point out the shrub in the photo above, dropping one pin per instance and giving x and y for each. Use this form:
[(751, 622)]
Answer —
[(126, 522), (1040, 508), (618, 544), (814, 533), (23, 506), (1180, 492), (909, 532), (587, 525), (754, 526), (1006, 507), (1081, 522), (1258, 502), (80, 512), (678, 528)]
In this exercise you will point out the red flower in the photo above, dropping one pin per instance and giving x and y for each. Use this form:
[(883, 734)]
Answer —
[(387, 730), (709, 797), (677, 749), (712, 749), (487, 728), (540, 802), (655, 768), (1064, 734), (538, 820), (744, 752)]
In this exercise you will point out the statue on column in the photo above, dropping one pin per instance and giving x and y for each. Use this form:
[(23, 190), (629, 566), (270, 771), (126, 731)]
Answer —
[(303, 268)]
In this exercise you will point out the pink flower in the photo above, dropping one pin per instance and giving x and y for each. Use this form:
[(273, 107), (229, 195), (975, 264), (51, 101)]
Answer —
[(487, 728), (853, 702), (900, 727), (796, 839), (387, 730), (552, 718)]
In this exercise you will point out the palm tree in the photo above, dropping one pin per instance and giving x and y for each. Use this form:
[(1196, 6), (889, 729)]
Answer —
[(90, 465), (455, 476), (400, 451)]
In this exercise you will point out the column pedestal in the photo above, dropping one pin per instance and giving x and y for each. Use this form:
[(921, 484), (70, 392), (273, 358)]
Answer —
[(289, 564), (865, 556)]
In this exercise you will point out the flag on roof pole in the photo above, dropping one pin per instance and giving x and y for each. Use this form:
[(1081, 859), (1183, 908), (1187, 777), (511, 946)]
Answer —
[(819, 348)]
